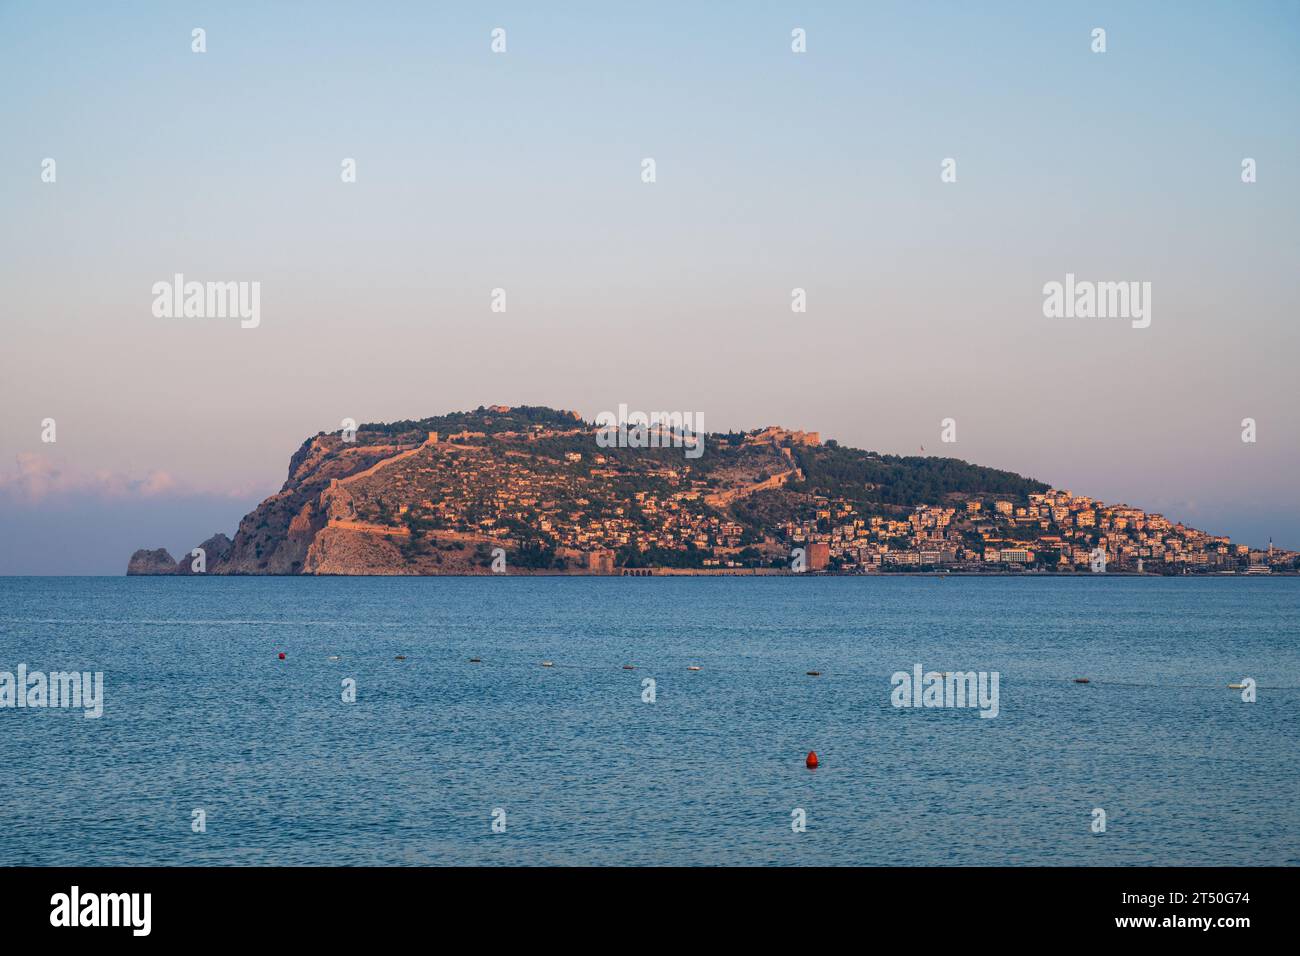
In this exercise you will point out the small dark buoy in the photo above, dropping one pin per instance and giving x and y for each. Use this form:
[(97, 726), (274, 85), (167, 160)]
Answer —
[(1082, 680), (476, 660), (811, 762), (814, 673), (282, 655), (628, 667), (400, 657)]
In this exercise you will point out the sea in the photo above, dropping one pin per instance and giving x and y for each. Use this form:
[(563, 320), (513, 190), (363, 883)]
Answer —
[(413, 721)]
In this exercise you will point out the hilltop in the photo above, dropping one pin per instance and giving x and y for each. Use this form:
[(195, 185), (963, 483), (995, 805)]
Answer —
[(441, 495)]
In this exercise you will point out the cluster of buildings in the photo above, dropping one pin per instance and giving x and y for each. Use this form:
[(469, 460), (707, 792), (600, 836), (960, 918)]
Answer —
[(1055, 530), (600, 510), (586, 505)]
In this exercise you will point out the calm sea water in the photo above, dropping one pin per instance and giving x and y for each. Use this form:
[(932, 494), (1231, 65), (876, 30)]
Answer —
[(201, 713)]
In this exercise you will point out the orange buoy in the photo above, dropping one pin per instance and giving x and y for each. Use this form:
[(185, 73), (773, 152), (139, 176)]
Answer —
[(811, 762), (282, 655)]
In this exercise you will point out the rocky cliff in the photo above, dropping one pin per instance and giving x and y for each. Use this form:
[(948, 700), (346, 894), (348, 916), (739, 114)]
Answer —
[(159, 560)]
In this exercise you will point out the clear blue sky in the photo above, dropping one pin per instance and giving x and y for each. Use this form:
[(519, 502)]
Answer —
[(521, 171)]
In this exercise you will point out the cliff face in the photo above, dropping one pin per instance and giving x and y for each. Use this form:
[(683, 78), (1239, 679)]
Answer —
[(276, 536), (540, 490)]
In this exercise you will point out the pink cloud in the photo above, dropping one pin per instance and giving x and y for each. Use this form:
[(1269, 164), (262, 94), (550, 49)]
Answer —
[(37, 477)]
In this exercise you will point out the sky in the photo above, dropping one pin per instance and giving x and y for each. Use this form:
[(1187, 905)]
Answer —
[(522, 171)]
